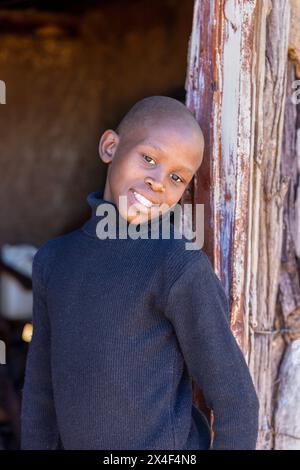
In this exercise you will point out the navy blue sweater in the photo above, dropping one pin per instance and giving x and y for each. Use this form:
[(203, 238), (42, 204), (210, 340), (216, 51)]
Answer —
[(120, 328)]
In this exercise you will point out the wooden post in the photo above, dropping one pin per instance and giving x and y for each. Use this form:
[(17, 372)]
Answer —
[(236, 88)]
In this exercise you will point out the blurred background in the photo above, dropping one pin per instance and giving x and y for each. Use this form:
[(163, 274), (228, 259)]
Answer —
[(71, 69)]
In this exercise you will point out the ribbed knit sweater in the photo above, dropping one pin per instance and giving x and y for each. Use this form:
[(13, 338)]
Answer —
[(120, 328)]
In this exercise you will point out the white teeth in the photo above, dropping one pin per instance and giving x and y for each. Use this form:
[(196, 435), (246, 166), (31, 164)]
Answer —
[(142, 199)]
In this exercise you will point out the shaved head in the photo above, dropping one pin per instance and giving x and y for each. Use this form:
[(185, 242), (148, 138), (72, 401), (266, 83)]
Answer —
[(157, 111), (153, 154)]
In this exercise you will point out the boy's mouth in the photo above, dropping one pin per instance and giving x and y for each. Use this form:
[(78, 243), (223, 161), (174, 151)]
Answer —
[(138, 197)]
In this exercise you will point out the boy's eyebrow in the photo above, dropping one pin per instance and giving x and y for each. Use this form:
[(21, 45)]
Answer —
[(154, 146), (158, 149)]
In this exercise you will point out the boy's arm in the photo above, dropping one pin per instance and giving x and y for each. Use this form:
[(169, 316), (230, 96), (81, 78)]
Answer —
[(198, 308), (38, 420)]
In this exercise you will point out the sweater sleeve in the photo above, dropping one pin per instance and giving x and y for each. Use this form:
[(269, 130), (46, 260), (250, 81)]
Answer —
[(38, 420), (198, 308)]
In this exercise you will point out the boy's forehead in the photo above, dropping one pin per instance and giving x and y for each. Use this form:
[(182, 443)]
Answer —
[(168, 136), (163, 133)]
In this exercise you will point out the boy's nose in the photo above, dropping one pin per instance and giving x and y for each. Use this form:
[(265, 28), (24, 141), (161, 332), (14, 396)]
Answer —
[(154, 184)]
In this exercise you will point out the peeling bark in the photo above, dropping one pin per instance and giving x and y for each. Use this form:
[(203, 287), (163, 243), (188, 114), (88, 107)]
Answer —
[(287, 411), (287, 418), (294, 37), (268, 203)]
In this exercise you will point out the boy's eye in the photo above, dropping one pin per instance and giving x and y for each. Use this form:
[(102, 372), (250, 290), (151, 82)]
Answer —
[(177, 180), (148, 159)]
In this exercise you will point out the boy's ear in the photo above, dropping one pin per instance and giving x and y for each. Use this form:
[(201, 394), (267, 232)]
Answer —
[(108, 145)]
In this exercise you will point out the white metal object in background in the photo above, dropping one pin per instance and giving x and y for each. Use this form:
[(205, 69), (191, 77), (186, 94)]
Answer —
[(16, 301)]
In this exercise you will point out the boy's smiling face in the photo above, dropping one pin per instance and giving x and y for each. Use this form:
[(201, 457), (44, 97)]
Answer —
[(151, 166)]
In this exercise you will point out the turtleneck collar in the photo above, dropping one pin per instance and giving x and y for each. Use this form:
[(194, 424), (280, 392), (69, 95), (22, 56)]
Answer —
[(94, 200)]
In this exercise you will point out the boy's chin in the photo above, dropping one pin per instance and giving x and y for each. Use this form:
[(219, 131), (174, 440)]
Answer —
[(138, 219), (135, 217)]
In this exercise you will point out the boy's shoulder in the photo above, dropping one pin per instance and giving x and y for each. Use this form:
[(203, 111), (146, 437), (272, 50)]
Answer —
[(181, 253), (189, 248), (193, 268)]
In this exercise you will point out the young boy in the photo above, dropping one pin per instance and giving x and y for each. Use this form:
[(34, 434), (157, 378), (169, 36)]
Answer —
[(122, 325)]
